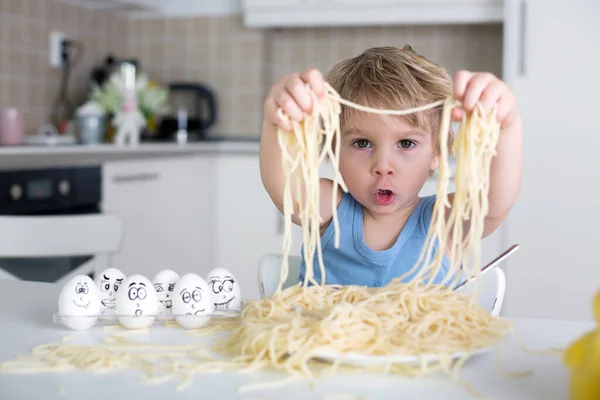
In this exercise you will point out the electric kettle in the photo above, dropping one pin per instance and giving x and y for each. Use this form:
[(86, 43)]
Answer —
[(195, 100)]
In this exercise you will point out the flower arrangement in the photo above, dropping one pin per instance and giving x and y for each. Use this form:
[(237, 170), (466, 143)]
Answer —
[(151, 97)]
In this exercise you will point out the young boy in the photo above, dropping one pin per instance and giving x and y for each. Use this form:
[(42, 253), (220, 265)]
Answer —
[(385, 160)]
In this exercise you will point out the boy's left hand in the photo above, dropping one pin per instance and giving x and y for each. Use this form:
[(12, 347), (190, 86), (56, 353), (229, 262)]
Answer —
[(477, 87)]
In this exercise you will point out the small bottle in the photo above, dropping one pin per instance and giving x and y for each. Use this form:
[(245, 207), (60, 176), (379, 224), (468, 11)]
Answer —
[(182, 135)]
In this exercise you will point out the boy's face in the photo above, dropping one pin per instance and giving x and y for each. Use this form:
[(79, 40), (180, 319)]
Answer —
[(385, 161)]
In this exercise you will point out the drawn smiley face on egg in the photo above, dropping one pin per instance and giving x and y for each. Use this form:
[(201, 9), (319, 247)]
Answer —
[(108, 281), (136, 302), (164, 284), (225, 290), (79, 303), (192, 300)]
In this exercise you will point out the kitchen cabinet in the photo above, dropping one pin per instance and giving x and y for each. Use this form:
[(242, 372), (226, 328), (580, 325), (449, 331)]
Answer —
[(281, 13), (194, 213), (248, 224), (551, 60), (166, 206)]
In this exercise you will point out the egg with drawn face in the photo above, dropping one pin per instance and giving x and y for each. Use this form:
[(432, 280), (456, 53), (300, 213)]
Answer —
[(136, 302), (192, 301), (164, 284), (79, 303), (225, 290), (108, 282)]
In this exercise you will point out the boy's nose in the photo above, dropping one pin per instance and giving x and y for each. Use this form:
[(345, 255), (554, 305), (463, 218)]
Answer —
[(385, 170), (383, 167)]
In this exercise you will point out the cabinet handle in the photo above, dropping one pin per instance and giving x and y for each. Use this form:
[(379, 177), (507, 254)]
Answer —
[(141, 177), (523, 37)]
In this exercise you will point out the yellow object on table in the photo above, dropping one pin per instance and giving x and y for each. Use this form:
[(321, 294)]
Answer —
[(583, 359)]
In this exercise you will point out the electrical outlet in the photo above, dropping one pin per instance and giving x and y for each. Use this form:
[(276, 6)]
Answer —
[(56, 40)]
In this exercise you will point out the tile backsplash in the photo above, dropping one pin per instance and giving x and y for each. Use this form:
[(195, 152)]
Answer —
[(216, 51), (26, 79), (475, 47), (239, 63)]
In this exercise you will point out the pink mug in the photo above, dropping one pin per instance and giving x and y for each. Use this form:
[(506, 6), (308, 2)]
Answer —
[(12, 126)]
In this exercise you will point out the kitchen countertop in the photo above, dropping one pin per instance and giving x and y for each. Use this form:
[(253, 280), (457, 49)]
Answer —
[(45, 156), (24, 157), (26, 320)]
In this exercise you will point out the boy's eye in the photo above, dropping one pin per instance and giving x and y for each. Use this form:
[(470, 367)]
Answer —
[(406, 144), (362, 143)]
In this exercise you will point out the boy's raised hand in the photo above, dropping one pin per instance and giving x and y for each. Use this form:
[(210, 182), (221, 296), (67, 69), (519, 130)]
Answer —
[(488, 90), (291, 95)]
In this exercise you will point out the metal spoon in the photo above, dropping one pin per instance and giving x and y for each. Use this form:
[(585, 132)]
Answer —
[(493, 263)]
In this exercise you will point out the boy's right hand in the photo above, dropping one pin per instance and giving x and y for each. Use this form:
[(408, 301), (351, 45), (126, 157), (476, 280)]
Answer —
[(292, 96)]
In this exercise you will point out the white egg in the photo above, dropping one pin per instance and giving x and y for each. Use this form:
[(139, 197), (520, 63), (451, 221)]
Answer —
[(164, 284), (192, 300), (225, 290), (136, 302), (79, 303), (108, 282)]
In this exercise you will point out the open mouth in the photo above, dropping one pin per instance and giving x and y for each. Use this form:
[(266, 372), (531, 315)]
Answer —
[(166, 303), (81, 305), (384, 197), (223, 306), (108, 303)]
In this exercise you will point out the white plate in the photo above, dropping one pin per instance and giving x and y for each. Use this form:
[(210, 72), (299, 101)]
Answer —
[(357, 359)]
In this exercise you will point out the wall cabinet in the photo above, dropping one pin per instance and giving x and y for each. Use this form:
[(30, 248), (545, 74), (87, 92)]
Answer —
[(280, 13), (275, 13), (551, 58), (162, 8)]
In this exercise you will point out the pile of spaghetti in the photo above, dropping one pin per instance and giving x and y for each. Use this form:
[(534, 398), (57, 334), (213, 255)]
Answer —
[(290, 329)]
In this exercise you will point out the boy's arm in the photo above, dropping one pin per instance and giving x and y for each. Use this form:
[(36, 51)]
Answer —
[(505, 177), (506, 166)]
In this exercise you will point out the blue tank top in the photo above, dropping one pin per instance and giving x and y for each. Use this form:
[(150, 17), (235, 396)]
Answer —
[(355, 263)]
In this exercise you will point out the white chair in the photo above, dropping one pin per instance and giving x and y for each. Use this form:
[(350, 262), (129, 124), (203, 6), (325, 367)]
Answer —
[(96, 235), (269, 269), (269, 266), (492, 290)]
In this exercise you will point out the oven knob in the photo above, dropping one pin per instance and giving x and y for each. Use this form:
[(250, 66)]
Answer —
[(64, 187), (16, 192)]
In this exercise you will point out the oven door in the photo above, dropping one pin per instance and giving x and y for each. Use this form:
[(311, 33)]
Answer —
[(53, 191), (48, 269)]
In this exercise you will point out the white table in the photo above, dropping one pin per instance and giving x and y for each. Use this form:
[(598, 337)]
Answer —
[(26, 321)]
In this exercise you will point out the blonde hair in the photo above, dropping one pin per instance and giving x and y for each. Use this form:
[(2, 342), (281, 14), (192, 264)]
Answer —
[(393, 78)]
